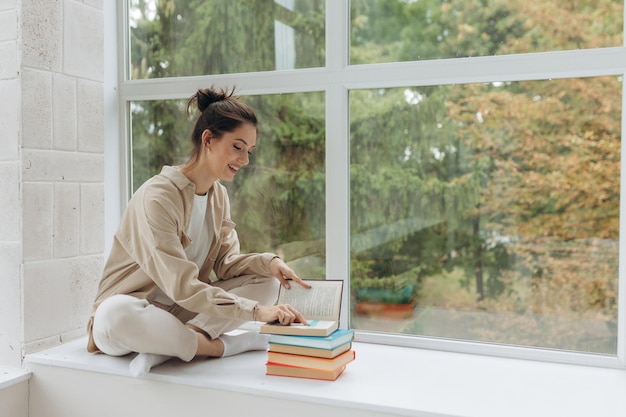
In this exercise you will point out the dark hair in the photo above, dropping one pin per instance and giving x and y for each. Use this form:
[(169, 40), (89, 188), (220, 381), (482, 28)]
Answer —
[(220, 112)]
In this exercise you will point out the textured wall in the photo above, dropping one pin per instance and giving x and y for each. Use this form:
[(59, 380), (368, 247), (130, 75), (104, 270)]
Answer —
[(10, 201), (51, 170)]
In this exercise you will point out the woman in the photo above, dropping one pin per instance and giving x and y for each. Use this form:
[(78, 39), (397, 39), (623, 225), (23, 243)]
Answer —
[(158, 296)]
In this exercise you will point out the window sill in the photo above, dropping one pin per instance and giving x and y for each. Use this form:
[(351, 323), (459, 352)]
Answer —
[(395, 380), (12, 376)]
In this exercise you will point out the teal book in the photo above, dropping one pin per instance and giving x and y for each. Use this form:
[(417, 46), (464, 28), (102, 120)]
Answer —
[(337, 338), (309, 351)]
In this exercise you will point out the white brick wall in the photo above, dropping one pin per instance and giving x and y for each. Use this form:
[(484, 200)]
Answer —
[(66, 220), (36, 111), (37, 226), (51, 170), (8, 43), (83, 42), (91, 219), (10, 203), (9, 116), (90, 117), (64, 114), (60, 293), (42, 34)]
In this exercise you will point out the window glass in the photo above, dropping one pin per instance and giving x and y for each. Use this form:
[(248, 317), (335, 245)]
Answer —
[(173, 38), (278, 200), (484, 212), (411, 30), (160, 135), (488, 212)]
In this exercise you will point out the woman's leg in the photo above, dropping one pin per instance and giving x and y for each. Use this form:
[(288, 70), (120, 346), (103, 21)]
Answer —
[(124, 324)]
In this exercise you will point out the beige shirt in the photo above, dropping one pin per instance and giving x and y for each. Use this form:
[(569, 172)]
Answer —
[(148, 259)]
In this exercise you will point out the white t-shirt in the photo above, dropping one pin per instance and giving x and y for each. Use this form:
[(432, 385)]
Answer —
[(200, 231)]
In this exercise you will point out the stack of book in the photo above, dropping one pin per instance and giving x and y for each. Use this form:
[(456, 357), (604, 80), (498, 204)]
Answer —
[(314, 357), (317, 349)]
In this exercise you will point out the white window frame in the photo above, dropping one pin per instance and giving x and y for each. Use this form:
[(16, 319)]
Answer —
[(336, 80)]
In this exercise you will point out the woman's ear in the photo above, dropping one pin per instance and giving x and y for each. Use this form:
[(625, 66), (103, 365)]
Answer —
[(206, 137)]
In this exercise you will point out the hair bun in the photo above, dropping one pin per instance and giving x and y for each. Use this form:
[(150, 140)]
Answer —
[(206, 96)]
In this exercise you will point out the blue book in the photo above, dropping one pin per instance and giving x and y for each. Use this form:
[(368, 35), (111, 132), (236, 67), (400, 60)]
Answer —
[(309, 351), (337, 338)]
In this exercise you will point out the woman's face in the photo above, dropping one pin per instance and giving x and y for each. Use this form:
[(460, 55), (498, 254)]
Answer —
[(225, 156)]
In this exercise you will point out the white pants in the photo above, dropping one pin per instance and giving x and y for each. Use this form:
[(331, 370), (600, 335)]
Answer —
[(123, 324)]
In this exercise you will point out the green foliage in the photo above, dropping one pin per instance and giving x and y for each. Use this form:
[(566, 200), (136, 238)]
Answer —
[(282, 193), (496, 184), (198, 37), (160, 136), (462, 178)]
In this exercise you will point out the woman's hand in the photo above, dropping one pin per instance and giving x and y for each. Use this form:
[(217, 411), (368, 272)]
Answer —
[(280, 270), (283, 314)]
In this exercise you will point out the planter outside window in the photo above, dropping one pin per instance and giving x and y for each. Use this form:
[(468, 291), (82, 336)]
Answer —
[(389, 297)]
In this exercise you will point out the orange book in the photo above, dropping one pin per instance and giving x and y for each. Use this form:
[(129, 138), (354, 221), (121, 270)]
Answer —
[(309, 351), (294, 371), (301, 361)]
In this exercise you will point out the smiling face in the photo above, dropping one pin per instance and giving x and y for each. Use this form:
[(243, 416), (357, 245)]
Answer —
[(227, 155)]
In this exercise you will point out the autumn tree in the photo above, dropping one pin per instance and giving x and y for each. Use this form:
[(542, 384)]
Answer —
[(514, 184), (515, 170)]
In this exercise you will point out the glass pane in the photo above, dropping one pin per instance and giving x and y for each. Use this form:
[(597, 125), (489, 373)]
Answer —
[(173, 38), (411, 30), (278, 200), (160, 135), (488, 212)]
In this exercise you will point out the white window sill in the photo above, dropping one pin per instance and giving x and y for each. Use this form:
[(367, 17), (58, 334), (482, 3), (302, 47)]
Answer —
[(12, 376), (396, 380)]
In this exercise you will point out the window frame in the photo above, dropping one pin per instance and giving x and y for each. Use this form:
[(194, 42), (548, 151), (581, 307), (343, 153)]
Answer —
[(336, 80)]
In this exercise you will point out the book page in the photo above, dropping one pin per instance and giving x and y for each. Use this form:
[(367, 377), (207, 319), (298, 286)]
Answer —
[(322, 301)]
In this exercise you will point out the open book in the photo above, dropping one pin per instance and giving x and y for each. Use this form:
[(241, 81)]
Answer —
[(320, 305)]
